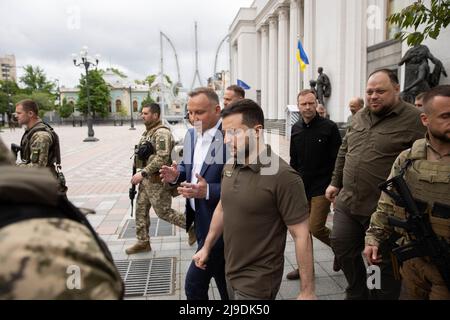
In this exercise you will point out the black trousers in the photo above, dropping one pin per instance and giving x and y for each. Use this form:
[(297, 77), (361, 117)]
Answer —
[(347, 242), (197, 280)]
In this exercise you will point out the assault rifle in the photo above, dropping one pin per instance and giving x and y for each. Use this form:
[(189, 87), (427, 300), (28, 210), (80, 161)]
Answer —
[(424, 241)]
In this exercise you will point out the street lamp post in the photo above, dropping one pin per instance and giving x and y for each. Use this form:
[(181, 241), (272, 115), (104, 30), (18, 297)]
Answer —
[(87, 64), (58, 92), (131, 112)]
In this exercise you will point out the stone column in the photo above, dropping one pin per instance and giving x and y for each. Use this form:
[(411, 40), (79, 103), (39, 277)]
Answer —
[(273, 68), (294, 68), (264, 69), (309, 40), (283, 62), (234, 53)]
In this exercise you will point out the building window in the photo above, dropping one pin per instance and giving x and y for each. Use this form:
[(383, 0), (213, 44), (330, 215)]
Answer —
[(110, 107), (393, 6), (118, 105), (135, 106)]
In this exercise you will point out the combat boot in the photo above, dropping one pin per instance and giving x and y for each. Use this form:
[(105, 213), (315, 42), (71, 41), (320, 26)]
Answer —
[(140, 246), (192, 237)]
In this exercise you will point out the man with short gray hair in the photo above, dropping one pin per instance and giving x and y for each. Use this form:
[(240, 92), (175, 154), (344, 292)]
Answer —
[(200, 174)]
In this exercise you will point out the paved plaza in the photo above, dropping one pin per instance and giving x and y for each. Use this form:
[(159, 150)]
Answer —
[(98, 176)]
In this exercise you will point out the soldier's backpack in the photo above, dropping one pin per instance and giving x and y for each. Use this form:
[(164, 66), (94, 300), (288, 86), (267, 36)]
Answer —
[(30, 194)]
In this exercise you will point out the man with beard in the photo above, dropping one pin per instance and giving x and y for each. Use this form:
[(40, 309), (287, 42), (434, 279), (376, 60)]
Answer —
[(39, 146), (426, 168), (262, 197), (376, 136)]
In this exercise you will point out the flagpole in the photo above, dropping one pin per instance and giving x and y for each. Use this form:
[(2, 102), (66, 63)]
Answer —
[(300, 74)]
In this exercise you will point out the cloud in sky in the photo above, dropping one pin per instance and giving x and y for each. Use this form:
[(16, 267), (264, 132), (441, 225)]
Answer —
[(125, 33)]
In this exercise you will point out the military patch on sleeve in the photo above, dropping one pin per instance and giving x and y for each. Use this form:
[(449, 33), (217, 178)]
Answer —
[(35, 156), (162, 144)]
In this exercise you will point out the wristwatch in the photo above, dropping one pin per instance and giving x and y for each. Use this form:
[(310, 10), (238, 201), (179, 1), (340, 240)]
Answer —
[(144, 174)]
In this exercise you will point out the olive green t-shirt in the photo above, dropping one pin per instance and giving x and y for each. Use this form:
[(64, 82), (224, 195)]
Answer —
[(257, 206)]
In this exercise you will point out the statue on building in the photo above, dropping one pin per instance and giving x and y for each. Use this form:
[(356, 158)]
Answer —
[(418, 77), (312, 84), (323, 86)]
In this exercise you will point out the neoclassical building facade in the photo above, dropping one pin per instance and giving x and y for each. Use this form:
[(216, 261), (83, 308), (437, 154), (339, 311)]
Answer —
[(348, 38)]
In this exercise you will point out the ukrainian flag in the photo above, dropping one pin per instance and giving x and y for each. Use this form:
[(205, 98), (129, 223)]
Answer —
[(302, 58)]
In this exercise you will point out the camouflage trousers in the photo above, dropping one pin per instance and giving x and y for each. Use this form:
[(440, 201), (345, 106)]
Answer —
[(154, 195)]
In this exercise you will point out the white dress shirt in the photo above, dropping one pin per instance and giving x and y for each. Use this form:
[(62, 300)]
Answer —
[(201, 149)]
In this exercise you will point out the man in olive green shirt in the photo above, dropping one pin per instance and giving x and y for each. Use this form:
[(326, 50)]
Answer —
[(375, 138), (261, 198)]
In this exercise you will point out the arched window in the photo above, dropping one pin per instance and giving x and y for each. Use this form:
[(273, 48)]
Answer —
[(118, 105), (135, 106), (110, 107)]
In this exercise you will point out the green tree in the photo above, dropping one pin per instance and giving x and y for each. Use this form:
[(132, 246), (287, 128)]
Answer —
[(3, 103), (35, 79), (65, 110), (117, 72), (7, 88), (99, 94), (151, 79), (147, 100), (122, 112), (418, 15)]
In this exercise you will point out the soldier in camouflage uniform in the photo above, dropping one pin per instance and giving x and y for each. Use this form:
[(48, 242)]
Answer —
[(48, 250), (36, 144), (427, 174), (39, 144), (152, 192)]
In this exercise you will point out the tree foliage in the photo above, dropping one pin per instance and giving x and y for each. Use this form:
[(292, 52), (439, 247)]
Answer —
[(65, 110), (148, 100), (7, 88), (117, 72), (3, 103), (122, 112), (35, 80), (418, 15), (99, 94)]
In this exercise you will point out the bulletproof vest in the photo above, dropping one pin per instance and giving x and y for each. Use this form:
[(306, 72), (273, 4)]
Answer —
[(149, 137), (54, 151), (429, 183), (32, 194)]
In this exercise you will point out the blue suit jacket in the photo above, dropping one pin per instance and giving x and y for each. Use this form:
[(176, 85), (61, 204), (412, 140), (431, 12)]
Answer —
[(212, 172)]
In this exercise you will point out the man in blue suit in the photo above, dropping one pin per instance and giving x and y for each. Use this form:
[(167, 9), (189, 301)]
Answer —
[(199, 173)]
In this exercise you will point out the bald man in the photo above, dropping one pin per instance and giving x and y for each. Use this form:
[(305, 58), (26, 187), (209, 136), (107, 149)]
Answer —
[(354, 105)]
